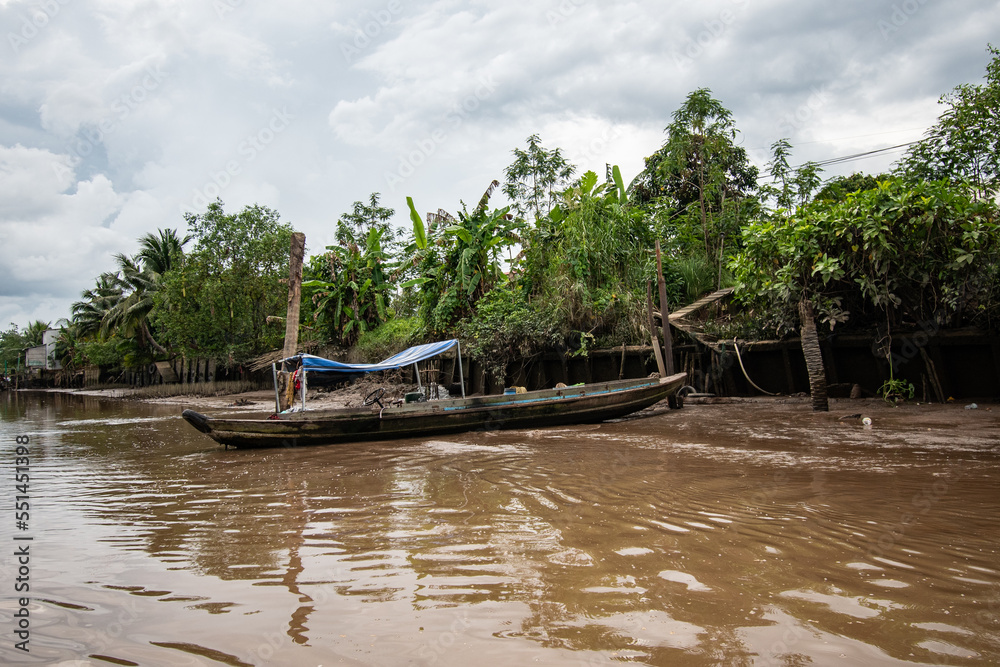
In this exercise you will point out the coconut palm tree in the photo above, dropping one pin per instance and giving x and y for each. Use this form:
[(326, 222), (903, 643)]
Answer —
[(129, 316), (88, 314), (122, 301), (159, 252), (33, 334)]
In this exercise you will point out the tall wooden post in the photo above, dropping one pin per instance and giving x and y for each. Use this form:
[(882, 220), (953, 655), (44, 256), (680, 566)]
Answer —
[(654, 339), (668, 347), (295, 257)]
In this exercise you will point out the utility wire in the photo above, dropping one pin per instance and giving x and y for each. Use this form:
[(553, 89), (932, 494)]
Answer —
[(858, 156), (849, 158)]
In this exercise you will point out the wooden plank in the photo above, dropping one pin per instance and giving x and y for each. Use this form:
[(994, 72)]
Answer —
[(166, 371)]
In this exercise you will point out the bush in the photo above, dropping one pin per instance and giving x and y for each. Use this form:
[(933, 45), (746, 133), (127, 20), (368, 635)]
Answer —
[(506, 327), (389, 338)]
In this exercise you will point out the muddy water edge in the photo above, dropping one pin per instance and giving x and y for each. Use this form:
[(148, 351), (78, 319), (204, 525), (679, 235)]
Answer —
[(747, 534)]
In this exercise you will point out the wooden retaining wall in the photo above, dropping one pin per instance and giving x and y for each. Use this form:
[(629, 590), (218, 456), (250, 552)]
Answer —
[(965, 364)]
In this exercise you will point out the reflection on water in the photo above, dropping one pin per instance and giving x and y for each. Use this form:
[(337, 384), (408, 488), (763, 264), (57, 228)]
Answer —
[(737, 535)]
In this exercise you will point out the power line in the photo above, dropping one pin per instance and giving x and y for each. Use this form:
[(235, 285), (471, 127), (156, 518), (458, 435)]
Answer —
[(849, 158), (859, 156)]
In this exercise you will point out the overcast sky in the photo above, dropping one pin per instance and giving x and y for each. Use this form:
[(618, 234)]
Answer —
[(116, 116)]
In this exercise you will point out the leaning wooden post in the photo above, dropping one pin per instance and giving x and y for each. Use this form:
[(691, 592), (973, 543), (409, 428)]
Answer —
[(295, 256), (668, 347), (652, 331), (813, 354)]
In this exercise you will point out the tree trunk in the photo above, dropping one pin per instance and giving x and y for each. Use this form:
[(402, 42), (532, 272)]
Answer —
[(296, 253), (149, 338), (814, 357)]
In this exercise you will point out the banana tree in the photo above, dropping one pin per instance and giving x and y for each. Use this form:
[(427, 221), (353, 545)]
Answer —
[(458, 260), (353, 295)]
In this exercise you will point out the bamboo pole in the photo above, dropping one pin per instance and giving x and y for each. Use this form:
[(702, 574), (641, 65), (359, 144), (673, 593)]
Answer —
[(461, 374), (296, 254), (652, 330), (277, 398), (668, 351)]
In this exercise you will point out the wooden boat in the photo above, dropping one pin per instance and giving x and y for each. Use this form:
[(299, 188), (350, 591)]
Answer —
[(550, 407)]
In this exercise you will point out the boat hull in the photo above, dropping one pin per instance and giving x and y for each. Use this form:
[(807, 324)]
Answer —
[(554, 407)]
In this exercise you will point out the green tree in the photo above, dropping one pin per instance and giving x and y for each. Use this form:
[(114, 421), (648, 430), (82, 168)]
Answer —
[(699, 172), (12, 344), (901, 252), (216, 299), (120, 305), (355, 227), (159, 252), (790, 186), (964, 144), (535, 177), (349, 286), (129, 316), (34, 333), (89, 313)]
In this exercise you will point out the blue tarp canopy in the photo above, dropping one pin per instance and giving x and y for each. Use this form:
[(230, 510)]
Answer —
[(405, 358)]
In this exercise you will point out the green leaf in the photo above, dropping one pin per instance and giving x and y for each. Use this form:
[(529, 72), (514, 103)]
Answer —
[(616, 173), (419, 233), (460, 232)]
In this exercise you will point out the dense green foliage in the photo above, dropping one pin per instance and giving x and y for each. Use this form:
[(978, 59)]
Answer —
[(389, 338), (964, 145), (901, 252), (699, 181), (566, 265), (349, 288), (457, 260), (13, 342), (217, 298)]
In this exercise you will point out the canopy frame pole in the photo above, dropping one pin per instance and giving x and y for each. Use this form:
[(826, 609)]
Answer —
[(416, 369), (277, 399), (461, 375), (303, 367)]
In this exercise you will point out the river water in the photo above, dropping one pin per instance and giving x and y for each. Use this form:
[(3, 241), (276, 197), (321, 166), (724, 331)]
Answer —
[(751, 534)]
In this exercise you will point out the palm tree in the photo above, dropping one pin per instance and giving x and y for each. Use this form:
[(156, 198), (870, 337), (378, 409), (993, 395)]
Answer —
[(67, 345), (159, 252), (88, 315), (129, 316), (122, 301), (33, 334)]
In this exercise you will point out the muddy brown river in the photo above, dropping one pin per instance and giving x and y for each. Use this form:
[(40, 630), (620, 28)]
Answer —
[(744, 534)]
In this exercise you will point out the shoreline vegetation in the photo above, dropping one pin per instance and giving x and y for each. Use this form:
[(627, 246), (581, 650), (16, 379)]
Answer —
[(568, 266)]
